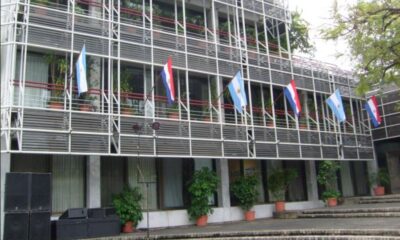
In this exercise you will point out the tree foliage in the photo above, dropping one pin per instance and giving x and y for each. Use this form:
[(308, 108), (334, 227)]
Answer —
[(299, 34), (371, 29)]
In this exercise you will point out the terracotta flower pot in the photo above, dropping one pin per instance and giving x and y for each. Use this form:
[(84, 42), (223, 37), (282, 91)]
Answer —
[(332, 202), (379, 191), (173, 115), (56, 105), (280, 206), (84, 107), (250, 215), (126, 111), (128, 227), (202, 221)]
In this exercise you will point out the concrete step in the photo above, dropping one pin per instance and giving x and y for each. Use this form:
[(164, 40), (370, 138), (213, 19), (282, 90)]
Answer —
[(352, 210), (392, 198), (298, 234), (388, 196), (316, 237), (350, 215), (388, 200)]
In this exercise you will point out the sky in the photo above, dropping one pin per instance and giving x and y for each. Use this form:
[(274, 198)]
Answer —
[(317, 14)]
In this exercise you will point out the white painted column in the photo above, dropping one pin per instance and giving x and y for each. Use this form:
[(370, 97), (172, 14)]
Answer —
[(93, 182), (393, 166), (372, 168), (224, 200), (311, 181), (5, 163), (345, 177)]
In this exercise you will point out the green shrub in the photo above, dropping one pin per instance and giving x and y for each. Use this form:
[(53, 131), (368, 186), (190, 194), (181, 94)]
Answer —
[(127, 205), (327, 177), (380, 178), (201, 187), (245, 189), (279, 181)]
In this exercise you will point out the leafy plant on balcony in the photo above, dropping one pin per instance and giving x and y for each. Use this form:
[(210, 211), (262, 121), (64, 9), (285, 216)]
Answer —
[(41, 2), (58, 70)]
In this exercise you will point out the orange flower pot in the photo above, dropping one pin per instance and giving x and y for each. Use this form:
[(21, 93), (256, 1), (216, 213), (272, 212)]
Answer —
[(56, 105), (280, 206), (202, 221), (85, 107), (332, 202), (128, 227), (249, 215), (379, 191)]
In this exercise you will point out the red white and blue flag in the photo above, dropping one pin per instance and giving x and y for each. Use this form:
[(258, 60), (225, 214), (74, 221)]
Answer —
[(168, 80), (372, 108), (293, 98)]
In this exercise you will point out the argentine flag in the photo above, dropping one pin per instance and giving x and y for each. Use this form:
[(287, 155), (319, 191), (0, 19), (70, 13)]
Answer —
[(168, 80), (293, 97), (372, 108), (237, 91), (336, 105), (81, 72)]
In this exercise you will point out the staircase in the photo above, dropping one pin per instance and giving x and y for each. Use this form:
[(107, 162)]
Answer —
[(395, 198), (365, 207)]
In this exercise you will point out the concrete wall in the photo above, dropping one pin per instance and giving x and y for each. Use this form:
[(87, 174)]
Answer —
[(175, 218)]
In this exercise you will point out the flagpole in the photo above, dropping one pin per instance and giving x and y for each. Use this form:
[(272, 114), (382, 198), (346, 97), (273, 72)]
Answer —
[(227, 85)]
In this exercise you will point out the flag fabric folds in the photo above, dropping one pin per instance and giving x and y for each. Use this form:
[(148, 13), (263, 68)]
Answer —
[(372, 108), (336, 105), (168, 80), (237, 92), (293, 98), (81, 72)]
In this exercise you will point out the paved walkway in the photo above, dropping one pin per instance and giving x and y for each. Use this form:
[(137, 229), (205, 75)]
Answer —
[(363, 227)]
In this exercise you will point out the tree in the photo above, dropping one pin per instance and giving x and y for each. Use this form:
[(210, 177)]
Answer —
[(371, 29), (299, 34)]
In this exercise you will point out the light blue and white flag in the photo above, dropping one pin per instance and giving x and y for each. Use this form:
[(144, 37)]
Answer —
[(237, 91), (336, 105), (81, 72)]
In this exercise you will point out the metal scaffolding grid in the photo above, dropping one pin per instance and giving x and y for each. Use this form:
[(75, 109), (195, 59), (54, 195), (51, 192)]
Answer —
[(263, 132), (388, 97)]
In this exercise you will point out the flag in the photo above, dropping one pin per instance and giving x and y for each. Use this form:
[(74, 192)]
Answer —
[(291, 95), (168, 80), (336, 105), (81, 72), (372, 108), (237, 91)]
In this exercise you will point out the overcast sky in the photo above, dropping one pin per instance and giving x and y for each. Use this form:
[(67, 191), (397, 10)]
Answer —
[(317, 14)]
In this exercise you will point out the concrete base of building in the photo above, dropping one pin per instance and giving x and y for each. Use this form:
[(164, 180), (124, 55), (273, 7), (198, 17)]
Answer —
[(174, 218)]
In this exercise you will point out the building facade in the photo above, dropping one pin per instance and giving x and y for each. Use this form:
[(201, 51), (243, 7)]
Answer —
[(98, 142), (387, 136)]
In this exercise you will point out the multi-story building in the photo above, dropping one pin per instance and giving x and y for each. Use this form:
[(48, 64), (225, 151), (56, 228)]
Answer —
[(387, 136), (95, 143)]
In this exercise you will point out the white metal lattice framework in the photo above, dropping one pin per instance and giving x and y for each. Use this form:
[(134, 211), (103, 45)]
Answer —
[(111, 36)]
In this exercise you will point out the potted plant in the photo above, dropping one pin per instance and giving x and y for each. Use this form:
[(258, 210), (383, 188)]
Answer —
[(173, 111), (201, 187), (125, 90), (278, 183), (245, 190), (328, 178), (127, 206), (58, 69), (379, 180), (86, 102)]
